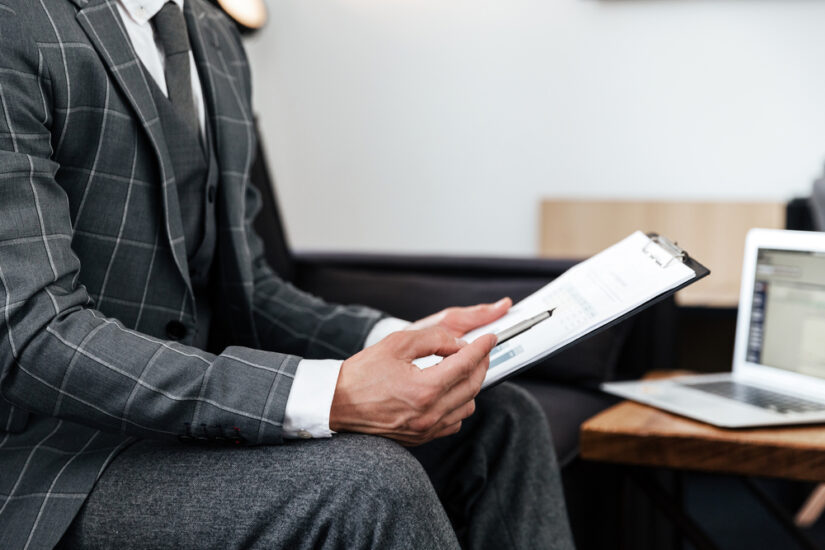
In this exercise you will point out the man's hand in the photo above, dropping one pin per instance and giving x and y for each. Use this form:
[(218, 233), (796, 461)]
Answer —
[(381, 392), (458, 321)]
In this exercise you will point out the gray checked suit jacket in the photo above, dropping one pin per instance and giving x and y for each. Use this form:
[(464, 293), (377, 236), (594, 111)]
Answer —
[(93, 266)]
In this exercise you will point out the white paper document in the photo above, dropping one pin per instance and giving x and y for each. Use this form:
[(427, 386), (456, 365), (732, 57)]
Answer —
[(586, 297)]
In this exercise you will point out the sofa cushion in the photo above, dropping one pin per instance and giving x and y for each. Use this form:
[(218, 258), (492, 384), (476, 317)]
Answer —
[(588, 362)]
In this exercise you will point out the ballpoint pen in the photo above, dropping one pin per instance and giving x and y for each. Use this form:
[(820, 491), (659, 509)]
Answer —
[(523, 326)]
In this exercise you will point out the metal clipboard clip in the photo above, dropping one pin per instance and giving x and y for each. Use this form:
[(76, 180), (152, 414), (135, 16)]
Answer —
[(665, 252)]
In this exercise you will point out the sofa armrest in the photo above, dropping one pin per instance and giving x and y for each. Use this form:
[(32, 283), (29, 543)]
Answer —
[(411, 287), (471, 266)]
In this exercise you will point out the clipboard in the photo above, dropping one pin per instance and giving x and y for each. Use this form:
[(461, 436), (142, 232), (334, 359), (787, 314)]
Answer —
[(640, 255)]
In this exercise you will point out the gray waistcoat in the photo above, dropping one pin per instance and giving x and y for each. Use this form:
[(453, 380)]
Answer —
[(196, 178)]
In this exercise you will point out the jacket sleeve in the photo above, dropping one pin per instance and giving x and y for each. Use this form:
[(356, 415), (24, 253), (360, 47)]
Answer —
[(61, 357), (315, 329)]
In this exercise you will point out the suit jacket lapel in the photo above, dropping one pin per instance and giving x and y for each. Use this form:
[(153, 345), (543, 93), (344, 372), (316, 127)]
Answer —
[(101, 22), (205, 54), (218, 90)]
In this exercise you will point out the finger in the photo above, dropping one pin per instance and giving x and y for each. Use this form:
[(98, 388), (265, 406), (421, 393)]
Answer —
[(411, 442), (448, 424), (457, 415), (429, 321), (497, 309), (448, 430), (462, 363), (468, 318), (412, 344), (465, 391), (414, 441), (471, 359)]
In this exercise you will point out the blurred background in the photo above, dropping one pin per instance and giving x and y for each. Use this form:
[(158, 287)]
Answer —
[(440, 126), (525, 128)]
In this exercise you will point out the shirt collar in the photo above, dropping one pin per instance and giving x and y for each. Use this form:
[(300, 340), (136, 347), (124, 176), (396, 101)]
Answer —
[(141, 11)]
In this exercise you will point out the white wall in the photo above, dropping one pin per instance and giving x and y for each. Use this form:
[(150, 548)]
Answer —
[(438, 125)]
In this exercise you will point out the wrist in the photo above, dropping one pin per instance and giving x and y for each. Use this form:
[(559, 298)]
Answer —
[(337, 407)]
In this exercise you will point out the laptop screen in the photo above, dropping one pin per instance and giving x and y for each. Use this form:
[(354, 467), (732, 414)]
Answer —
[(787, 321)]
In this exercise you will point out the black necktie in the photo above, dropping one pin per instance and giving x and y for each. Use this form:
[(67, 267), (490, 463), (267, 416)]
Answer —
[(170, 28)]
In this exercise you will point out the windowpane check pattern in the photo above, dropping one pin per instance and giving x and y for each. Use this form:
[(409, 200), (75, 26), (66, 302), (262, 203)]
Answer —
[(93, 269)]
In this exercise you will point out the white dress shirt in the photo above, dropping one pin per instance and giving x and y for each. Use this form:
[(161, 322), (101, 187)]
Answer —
[(310, 399), (137, 16)]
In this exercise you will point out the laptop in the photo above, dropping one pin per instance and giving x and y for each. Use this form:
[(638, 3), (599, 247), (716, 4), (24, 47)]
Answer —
[(778, 375)]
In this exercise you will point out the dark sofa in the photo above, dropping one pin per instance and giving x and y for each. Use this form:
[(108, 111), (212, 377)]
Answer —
[(411, 287)]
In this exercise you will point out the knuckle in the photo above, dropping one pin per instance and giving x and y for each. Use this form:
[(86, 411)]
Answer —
[(400, 425), (390, 341), (397, 338), (417, 426), (400, 342), (423, 424), (451, 311), (430, 422), (425, 397), (471, 367), (421, 429)]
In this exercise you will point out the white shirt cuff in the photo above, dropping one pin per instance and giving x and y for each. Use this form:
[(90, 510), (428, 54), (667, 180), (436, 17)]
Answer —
[(310, 399), (384, 328)]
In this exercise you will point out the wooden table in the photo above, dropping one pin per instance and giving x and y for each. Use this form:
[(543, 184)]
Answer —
[(631, 433), (634, 434)]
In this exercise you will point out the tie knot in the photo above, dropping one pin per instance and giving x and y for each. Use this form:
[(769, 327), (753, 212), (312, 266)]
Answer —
[(170, 28)]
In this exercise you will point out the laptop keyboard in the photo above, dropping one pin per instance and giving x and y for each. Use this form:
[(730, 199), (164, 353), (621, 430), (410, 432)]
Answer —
[(758, 397)]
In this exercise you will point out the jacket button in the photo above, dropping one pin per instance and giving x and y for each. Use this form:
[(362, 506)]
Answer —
[(175, 330)]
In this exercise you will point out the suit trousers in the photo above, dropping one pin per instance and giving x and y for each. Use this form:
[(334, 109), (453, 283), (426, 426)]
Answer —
[(495, 484)]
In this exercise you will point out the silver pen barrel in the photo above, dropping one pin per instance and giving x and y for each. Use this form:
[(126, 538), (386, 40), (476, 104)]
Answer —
[(523, 326)]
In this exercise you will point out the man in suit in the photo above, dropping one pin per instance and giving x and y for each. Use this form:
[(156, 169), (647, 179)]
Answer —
[(152, 364)]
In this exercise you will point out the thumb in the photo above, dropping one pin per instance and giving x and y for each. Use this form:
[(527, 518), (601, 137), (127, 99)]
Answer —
[(463, 363), (413, 344)]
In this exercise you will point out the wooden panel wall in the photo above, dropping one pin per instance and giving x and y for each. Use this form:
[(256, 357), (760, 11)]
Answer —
[(712, 232)]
